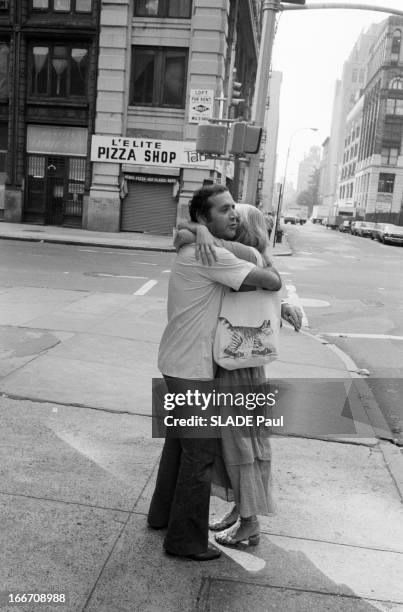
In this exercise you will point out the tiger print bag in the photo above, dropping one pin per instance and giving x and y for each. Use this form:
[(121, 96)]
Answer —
[(248, 329)]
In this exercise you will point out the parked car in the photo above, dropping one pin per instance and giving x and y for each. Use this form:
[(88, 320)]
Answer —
[(377, 231), (391, 233), (345, 226), (362, 228)]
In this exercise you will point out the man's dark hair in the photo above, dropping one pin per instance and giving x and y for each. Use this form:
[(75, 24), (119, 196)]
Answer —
[(200, 205)]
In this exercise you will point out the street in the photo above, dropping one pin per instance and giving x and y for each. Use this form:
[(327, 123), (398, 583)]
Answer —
[(349, 287), (79, 334), (352, 292)]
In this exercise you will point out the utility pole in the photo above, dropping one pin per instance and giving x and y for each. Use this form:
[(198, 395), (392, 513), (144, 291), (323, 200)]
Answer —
[(270, 9)]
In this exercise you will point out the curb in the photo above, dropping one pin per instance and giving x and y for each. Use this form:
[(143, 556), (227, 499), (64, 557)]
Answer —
[(392, 456), (79, 242), (84, 243)]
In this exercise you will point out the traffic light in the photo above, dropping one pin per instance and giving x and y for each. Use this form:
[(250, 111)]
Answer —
[(211, 138), (235, 93), (244, 138)]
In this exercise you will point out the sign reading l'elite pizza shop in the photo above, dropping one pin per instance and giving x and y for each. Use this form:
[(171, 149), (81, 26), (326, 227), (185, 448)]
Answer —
[(146, 152)]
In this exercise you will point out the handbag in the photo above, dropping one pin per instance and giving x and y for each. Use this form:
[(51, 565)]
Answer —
[(248, 329)]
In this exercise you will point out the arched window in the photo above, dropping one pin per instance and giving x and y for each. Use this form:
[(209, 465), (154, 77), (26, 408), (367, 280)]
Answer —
[(396, 83), (396, 41)]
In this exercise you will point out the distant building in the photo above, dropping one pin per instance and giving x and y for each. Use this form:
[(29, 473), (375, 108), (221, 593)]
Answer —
[(307, 167), (347, 88), (323, 170), (348, 196)]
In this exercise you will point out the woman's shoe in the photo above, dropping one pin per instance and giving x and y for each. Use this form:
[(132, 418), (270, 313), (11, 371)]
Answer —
[(226, 522), (247, 534)]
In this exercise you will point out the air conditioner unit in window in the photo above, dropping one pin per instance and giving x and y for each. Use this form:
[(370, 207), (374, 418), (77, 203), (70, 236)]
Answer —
[(4, 4)]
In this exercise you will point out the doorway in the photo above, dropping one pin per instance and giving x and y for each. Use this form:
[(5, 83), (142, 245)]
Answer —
[(55, 190)]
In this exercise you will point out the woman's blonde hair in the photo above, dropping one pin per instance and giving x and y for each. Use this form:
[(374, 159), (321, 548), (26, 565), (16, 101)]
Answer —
[(252, 229)]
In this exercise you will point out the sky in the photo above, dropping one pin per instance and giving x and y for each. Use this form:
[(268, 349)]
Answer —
[(310, 48)]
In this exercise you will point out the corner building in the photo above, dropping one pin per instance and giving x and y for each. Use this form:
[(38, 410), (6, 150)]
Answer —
[(48, 69), (379, 170), (162, 66)]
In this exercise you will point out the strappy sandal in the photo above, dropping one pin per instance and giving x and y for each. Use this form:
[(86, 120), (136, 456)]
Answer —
[(234, 541), (225, 523)]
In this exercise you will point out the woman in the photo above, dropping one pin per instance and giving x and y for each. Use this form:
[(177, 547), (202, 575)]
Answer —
[(242, 471)]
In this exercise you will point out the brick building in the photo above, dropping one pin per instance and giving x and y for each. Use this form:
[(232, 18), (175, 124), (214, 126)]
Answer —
[(48, 67)]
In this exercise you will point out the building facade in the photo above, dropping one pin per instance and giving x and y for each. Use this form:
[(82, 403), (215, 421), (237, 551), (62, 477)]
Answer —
[(100, 102), (164, 66), (348, 194), (48, 67), (347, 89), (379, 175)]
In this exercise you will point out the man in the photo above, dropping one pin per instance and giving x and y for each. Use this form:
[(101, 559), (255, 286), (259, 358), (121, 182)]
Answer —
[(182, 494)]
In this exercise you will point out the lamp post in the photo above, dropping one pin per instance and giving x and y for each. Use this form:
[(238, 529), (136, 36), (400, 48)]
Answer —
[(282, 186)]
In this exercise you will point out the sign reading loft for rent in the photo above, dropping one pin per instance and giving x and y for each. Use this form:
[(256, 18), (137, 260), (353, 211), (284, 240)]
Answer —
[(146, 152)]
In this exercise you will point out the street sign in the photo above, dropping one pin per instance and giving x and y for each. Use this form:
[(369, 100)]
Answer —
[(201, 105)]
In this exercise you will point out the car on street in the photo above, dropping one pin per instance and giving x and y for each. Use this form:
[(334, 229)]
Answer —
[(362, 228), (390, 233), (291, 219), (377, 231), (345, 226)]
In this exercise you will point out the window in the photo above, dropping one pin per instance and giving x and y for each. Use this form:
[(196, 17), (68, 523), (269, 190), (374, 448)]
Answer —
[(4, 51), (396, 41), (354, 76), (396, 83), (389, 156), (59, 71), (163, 8), (63, 6), (386, 183), (158, 76), (361, 77), (394, 106), (393, 131)]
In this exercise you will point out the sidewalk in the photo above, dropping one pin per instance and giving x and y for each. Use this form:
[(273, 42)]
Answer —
[(122, 240), (78, 467)]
